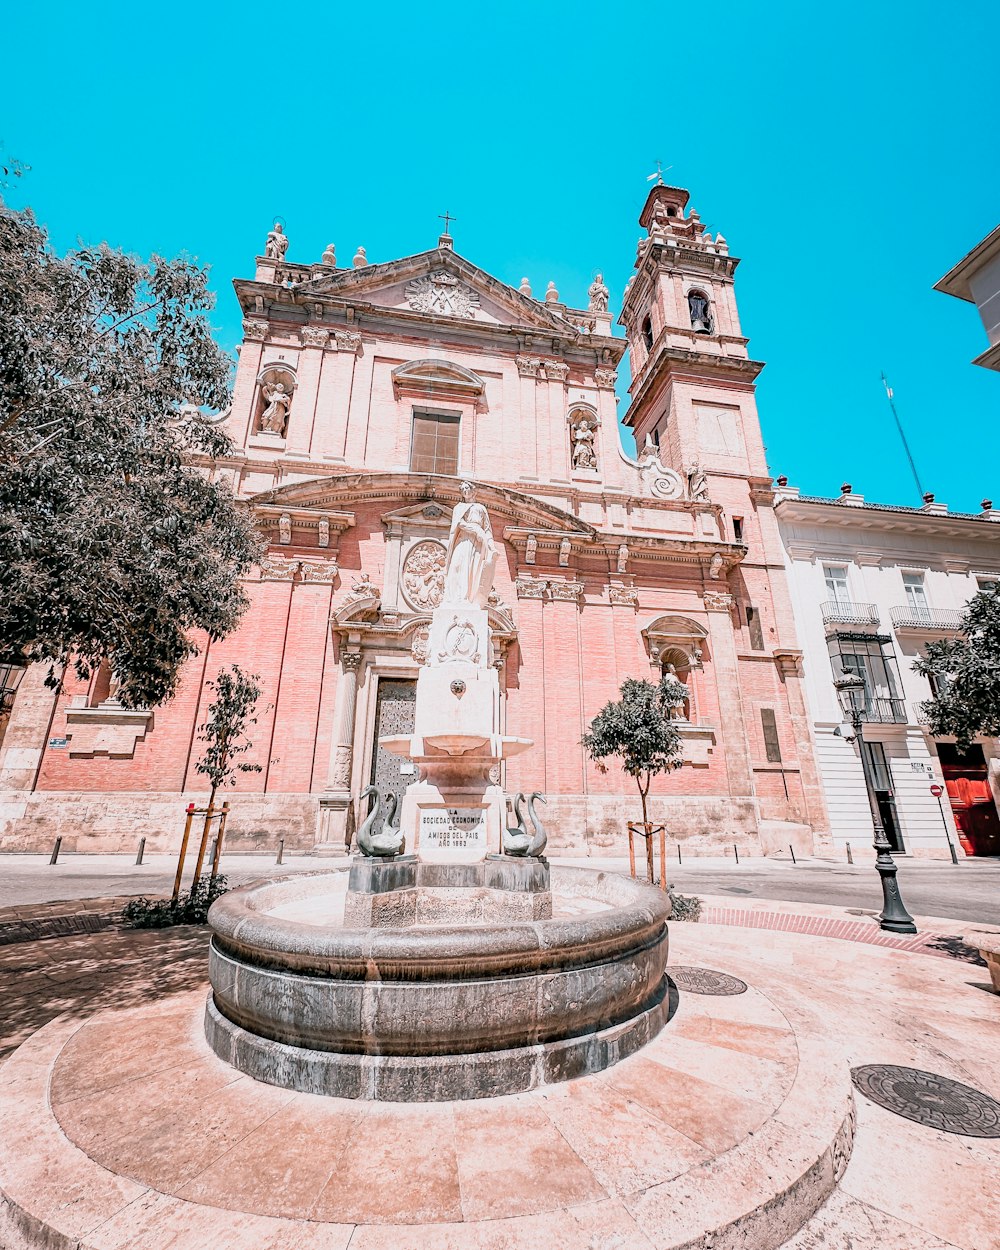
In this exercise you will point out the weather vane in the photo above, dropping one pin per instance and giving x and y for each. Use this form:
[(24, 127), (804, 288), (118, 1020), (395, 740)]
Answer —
[(658, 176), (447, 218)]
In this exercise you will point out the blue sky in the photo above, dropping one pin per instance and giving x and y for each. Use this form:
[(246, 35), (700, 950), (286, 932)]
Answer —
[(848, 153)]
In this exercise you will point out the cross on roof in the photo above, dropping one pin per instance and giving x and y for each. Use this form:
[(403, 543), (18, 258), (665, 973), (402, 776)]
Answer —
[(447, 218)]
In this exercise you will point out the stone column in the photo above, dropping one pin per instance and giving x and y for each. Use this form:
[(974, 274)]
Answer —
[(335, 803)]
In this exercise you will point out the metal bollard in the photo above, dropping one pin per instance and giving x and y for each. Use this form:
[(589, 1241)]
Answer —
[(142, 850), (850, 856), (55, 851), (281, 850), (736, 852), (679, 860), (792, 849)]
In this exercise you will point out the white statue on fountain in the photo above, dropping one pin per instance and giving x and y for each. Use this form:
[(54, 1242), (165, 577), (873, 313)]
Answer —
[(470, 562), (454, 812)]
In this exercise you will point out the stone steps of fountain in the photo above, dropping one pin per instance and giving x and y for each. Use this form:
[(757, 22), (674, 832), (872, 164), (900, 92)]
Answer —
[(730, 1129)]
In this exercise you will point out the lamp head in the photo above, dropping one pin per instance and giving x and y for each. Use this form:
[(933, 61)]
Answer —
[(851, 693)]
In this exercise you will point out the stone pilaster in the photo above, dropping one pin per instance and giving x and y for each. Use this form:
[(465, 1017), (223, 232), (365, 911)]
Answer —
[(335, 804), (725, 666)]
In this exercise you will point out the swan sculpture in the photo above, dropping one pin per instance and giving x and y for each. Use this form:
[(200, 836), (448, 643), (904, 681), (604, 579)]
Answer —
[(379, 838), (516, 838), (540, 837)]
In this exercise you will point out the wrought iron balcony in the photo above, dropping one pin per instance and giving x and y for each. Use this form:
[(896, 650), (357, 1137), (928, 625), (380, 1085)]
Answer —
[(920, 717), (846, 613), (881, 710), (926, 620)]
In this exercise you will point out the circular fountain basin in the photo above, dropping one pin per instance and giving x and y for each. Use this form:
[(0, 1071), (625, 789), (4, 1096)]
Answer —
[(435, 1011)]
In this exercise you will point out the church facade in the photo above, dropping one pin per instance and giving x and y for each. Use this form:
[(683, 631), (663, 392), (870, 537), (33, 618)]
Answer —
[(364, 397)]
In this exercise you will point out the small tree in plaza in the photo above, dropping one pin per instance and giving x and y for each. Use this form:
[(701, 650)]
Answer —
[(966, 674), (114, 545), (640, 730), (225, 733)]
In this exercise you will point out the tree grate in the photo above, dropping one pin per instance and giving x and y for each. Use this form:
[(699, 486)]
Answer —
[(706, 981), (934, 1101)]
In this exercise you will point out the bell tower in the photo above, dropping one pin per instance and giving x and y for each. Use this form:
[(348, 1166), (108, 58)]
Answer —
[(692, 378)]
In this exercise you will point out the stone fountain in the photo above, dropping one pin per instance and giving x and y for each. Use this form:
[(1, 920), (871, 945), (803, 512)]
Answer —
[(440, 966)]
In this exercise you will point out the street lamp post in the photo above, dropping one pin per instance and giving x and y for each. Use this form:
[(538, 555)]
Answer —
[(894, 917)]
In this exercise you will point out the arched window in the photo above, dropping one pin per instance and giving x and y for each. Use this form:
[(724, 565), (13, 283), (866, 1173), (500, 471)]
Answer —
[(700, 310), (647, 334)]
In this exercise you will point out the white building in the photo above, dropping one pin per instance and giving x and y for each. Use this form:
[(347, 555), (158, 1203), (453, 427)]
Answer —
[(976, 279), (871, 585)]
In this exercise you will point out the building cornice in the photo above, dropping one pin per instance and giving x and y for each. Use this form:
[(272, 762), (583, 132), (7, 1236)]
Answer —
[(956, 280), (887, 519), (675, 362)]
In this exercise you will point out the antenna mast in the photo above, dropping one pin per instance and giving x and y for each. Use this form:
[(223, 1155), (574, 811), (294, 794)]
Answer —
[(902, 435)]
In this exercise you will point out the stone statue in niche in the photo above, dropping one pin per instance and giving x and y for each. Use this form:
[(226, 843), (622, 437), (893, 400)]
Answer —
[(583, 433), (277, 243), (622, 557), (471, 557), (277, 400), (599, 294), (284, 528), (323, 530), (697, 483), (530, 549), (701, 317)]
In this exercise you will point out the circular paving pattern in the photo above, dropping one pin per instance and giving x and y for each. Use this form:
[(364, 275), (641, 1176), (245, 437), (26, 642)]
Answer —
[(934, 1101), (706, 981)]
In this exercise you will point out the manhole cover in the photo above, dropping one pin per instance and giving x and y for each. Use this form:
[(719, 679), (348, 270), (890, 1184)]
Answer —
[(934, 1101), (706, 981)]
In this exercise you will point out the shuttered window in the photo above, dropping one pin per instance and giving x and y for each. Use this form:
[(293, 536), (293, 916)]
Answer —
[(753, 625), (772, 747), (434, 448)]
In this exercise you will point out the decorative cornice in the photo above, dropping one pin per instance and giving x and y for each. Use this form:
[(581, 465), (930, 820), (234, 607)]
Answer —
[(605, 379), (788, 662), (624, 596), (542, 588), (718, 601), (531, 587), (256, 330), (277, 568), (347, 341), (314, 336), (566, 590)]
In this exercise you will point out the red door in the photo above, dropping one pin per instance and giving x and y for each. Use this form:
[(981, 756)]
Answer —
[(971, 800)]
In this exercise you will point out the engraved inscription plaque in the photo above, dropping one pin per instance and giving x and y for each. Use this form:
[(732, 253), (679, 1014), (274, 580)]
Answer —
[(453, 829)]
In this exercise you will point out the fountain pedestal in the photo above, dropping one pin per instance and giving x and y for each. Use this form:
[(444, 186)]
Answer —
[(453, 813)]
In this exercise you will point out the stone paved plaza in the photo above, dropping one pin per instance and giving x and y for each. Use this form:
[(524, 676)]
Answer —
[(738, 1117)]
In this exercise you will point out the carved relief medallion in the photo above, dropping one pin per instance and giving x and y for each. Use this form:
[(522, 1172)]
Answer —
[(423, 575), (461, 642), (443, 294)]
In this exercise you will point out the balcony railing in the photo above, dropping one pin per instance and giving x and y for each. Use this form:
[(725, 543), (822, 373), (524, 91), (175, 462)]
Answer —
[(845, 613), (881, 710), (926, 620)]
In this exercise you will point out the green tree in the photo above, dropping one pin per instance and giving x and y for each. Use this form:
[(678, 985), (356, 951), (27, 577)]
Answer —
[(226, 732), (640, 730), (966, 674), (113, 543)]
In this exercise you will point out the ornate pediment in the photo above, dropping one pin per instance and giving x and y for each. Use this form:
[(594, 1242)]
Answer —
[(439, 283), (437, 377)]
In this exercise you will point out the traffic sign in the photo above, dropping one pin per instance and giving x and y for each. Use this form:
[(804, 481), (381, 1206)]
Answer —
[(937, 790)]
